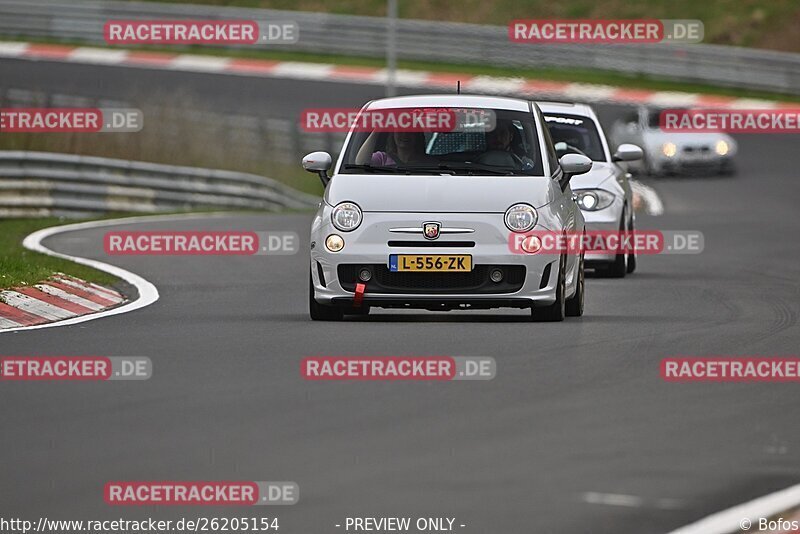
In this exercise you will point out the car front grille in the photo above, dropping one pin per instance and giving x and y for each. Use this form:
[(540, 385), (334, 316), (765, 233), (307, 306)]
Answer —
[(697, 149), (476, 281)]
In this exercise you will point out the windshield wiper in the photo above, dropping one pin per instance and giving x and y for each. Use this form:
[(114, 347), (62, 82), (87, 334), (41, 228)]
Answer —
[(471, 168), (389, 169), (371, 168)]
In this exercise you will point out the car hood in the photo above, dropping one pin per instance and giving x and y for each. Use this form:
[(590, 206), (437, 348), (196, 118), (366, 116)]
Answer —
[(599, 173), (439, 193)]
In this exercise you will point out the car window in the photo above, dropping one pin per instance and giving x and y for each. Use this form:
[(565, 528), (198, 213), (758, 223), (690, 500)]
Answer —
[(631, 117), (552, 156), (654, 118), (575, 134), (507, 145)]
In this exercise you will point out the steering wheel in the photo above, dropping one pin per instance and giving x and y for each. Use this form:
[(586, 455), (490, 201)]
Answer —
[(498, 158)]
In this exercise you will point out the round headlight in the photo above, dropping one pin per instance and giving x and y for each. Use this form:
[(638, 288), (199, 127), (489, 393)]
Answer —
[(587, 201), (346, 216), (669, 149), (520, 217), (593, 199), (721, 147), (334, 243)]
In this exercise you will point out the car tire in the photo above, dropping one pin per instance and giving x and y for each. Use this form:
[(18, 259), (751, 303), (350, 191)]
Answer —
[(728, 168), (321, 312), (632, 255), (619, 267), (574, 305), (557, 310)]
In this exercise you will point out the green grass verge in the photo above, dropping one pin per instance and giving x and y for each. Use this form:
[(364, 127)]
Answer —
[(20, 266)]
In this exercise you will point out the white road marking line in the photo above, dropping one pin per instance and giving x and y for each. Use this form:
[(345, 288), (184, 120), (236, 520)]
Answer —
[(495, 84), (301, 71), (75, 299), (404, 77), (13, 49), (99, 56), (35, 306), (752, 103), (729, 520), (672, 98), (195, 63), (589, 91), (613, 499)]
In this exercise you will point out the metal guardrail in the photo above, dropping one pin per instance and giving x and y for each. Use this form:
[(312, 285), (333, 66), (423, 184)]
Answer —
[(43, 184), (80, 20), (246, 138)]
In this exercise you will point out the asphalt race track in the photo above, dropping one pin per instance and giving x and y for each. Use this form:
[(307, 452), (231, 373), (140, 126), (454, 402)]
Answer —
[(576, 408)]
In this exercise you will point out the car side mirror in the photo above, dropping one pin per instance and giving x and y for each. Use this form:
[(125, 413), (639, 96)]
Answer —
[(627, 152), (320, 163), (575, 164)]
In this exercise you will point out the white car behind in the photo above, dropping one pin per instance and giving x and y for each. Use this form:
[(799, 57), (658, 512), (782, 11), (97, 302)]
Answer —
[(604, 193)]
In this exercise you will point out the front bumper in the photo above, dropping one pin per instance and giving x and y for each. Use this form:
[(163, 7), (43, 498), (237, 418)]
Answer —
[(605, 220), (529, 279), (698, 163)]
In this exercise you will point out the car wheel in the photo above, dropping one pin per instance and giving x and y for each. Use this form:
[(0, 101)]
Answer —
[(574, 306), (728, 168), (619, 266), (320, 312), (632, 255), (557, 310)]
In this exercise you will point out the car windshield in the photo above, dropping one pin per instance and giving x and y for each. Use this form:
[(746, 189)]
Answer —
[(654, 117), (506, 145), (575, 134)]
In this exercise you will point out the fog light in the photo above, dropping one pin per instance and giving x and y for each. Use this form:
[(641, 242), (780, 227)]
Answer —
[(334, 243), (496, 276), (531, 244), (365, 275)]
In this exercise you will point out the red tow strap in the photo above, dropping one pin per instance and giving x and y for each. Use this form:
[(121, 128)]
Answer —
[(360, 288)]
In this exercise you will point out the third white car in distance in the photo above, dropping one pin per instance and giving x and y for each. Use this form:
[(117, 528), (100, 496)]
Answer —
[(425, 220), (674, 152)]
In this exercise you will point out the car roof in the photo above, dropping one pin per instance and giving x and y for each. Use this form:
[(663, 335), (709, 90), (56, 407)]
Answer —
[(471, 101), (573, 108)]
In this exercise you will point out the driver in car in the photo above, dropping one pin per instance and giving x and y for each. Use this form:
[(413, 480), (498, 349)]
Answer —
[(499, 150)]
